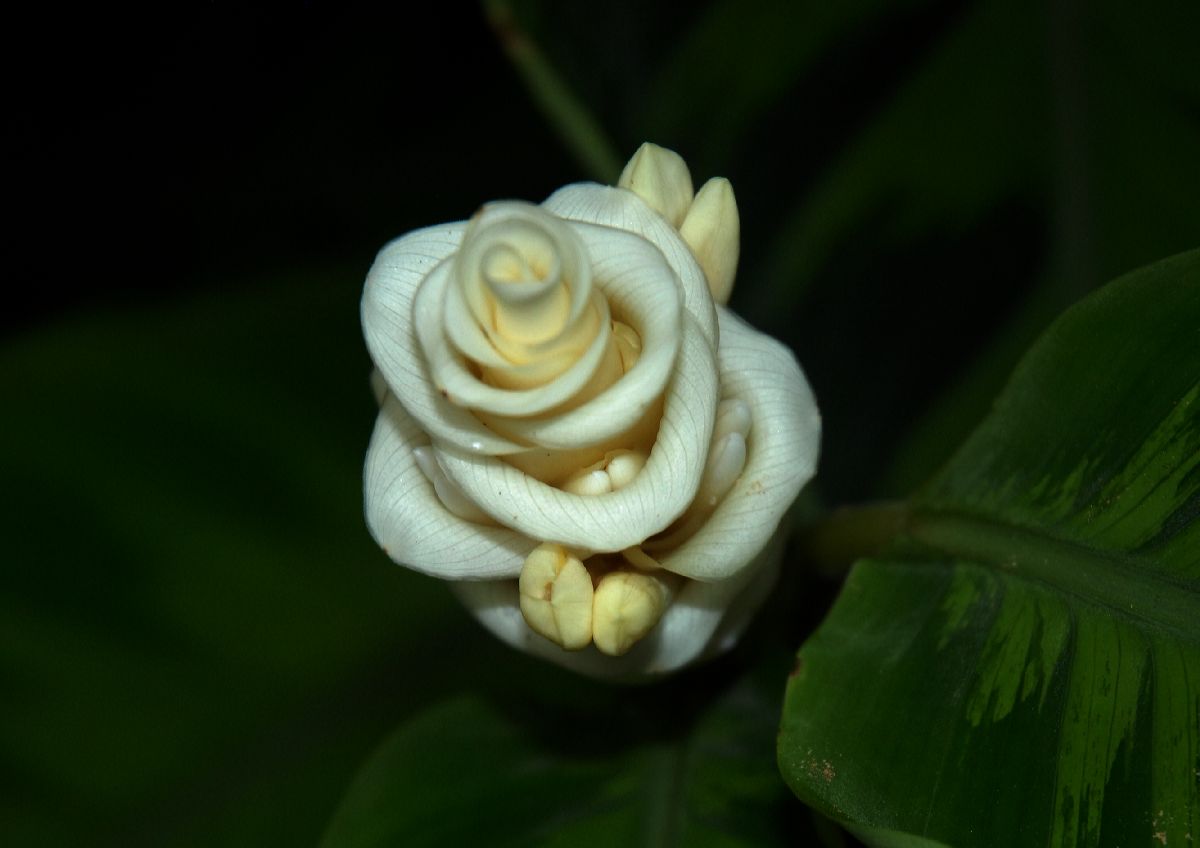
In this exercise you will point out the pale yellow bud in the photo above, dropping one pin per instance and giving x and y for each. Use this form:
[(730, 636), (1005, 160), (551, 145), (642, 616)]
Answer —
[(725, 463), (557, 596), (626, 607), (592, 480), (713, 231), (623, 466), (615, 471), (733, 416), (661, 178)]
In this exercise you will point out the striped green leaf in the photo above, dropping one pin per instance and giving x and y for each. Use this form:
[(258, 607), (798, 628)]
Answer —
[(1022, 667)]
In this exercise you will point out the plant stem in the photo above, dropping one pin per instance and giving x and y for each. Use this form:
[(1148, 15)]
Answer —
[(850, 533), (579, 130)]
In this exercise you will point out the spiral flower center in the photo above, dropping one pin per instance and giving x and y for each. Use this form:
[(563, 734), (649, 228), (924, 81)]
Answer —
[(527, 336), (530, 302), (533, 312)]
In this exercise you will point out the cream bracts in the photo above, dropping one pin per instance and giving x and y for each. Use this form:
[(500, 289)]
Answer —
[(575, 429)]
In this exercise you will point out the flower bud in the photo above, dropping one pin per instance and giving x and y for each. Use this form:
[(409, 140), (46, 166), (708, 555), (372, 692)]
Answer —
[(615, 471), (556, 596), (713, 231), (626, 607), (661, 178)]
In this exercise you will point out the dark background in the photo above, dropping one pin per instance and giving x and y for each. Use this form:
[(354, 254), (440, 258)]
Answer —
[(161, 153), (199, 643), (944, 177)]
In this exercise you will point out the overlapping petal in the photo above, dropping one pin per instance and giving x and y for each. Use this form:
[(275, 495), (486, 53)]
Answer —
[(623, 210), (452, 378), (781, 453), (616, 520), (409, 522), (387, 318), (640, 290)]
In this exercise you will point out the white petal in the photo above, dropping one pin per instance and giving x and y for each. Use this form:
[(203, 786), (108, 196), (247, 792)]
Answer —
[(785, 436), (624, 210), (454, 381), (501, 240), (640, 289), (387, 317), (410, 523), (616, 520), (704, 620)]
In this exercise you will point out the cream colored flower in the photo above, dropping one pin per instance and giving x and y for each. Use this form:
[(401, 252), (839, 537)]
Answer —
[(573, 428)]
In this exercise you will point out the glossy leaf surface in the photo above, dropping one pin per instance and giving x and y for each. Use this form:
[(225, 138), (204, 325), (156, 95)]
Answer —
[(1023, 666)]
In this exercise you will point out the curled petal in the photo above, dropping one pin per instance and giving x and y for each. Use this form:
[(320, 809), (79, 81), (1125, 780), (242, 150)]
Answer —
[(640, 289), (387, 318), (523, 275), (624, 210), (659, 493), (781, 453), (411, 524), (462, 388)]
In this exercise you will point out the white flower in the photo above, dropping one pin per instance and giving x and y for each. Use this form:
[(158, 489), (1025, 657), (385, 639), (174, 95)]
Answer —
[(573, 428)]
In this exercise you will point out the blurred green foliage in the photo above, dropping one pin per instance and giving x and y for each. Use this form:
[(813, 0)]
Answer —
[(200, 642)]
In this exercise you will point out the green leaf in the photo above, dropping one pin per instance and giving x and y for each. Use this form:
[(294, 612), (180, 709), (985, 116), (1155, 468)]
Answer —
[(602, 767), (1022, 667), (1077, 119)]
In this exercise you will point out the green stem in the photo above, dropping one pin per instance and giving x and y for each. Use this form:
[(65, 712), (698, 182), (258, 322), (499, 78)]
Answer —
[(850, 533), (580, 131)]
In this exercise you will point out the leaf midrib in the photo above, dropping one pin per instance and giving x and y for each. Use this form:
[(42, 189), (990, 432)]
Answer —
[(1118, 582)]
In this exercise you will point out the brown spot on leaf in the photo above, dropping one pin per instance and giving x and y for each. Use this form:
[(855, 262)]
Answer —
[(819, 769)]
